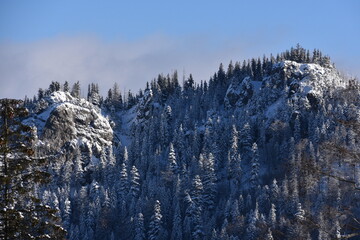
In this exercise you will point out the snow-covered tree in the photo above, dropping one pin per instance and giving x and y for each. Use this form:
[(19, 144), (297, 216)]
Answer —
[(155, 226), (176, 233), (134, 182), (197, 191), (172, 163), (254, 179), (209, 182), (139, 227)]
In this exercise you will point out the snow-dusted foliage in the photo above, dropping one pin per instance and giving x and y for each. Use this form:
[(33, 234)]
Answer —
[(266, 149)]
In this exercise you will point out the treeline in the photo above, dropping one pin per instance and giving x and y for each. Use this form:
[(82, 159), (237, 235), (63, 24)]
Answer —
[(165, 85)]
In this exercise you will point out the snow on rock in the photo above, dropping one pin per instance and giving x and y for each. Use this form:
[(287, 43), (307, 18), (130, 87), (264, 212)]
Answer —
[(144, 105), (273, 109), (72, 121), (239, 92), (311, 77), (128, 118)]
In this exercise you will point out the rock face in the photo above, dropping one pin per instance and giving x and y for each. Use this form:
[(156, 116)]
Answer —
[(239, 93), (68, 121), (288, 79), (309, 78)]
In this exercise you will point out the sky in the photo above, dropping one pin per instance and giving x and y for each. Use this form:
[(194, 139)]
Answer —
[(131, 42)]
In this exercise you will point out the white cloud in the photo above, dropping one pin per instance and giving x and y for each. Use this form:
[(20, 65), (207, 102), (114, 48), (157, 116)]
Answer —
[(25, 67)]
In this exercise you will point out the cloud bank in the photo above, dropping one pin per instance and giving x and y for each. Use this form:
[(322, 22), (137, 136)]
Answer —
[(26, 67)]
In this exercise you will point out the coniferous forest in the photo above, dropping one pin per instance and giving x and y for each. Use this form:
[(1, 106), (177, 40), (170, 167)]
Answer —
[(267, 148)]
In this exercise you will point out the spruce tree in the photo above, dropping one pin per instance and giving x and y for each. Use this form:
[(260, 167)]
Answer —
[(134, 182), (176, 233), (22, 214), (172, 164), (66, 87), (75, 92), (139, 227), (254, 179), (155, 227)]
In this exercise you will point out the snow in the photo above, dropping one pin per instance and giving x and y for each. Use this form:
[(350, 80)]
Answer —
[(266, 102), (94, 161), (85, 124), (272, 109), (39, 120), (256, 86), (128, 118), (60, 96), (307, 89)]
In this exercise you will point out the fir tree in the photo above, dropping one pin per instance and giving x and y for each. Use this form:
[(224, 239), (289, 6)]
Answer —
[(269, 235), (124, 181), (176, 233), (134, 182), (197, 191), (272, 217), (66, 87), (209, 177), (173, 167), (75, 92), (22, 213), (155, 226), (254, 179), (139, 227)]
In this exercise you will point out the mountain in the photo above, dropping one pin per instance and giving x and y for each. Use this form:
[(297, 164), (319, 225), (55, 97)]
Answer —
[(264, 150), (68, 121)]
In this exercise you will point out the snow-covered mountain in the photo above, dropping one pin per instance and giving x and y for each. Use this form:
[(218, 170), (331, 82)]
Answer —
[(64, 120), (250, 154)]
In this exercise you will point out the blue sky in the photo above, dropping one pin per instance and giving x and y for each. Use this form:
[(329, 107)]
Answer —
[(130, 42)]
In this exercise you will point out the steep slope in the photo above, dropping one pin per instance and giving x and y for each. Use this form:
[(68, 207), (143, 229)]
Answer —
[(63, 120)]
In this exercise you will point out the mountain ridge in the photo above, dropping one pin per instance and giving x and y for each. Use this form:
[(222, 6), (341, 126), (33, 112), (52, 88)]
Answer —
[(242, 156)]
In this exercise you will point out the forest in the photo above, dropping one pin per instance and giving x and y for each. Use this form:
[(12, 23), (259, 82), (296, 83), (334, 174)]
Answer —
[(267, 148)]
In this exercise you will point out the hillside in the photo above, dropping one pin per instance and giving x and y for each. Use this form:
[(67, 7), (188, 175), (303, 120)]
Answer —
[(264, 150)]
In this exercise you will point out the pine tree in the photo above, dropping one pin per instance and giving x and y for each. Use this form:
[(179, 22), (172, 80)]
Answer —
[(197, 191), (234, 212), (234, 165), (245, 139), (155, 227), (139, 227), (75, 92), (214, 235), (66, 213), (176, 233), (198, 232), (66, 87), (134, 182), (124, 181), (209, 177), (254, 179), (22, 214), (173, 167), (300, 213), (269, 235), (272, 217), (274, 192), (251, 230)]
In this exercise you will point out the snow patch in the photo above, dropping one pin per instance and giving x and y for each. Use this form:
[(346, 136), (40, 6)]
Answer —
[(256, 86), (273, 109)]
